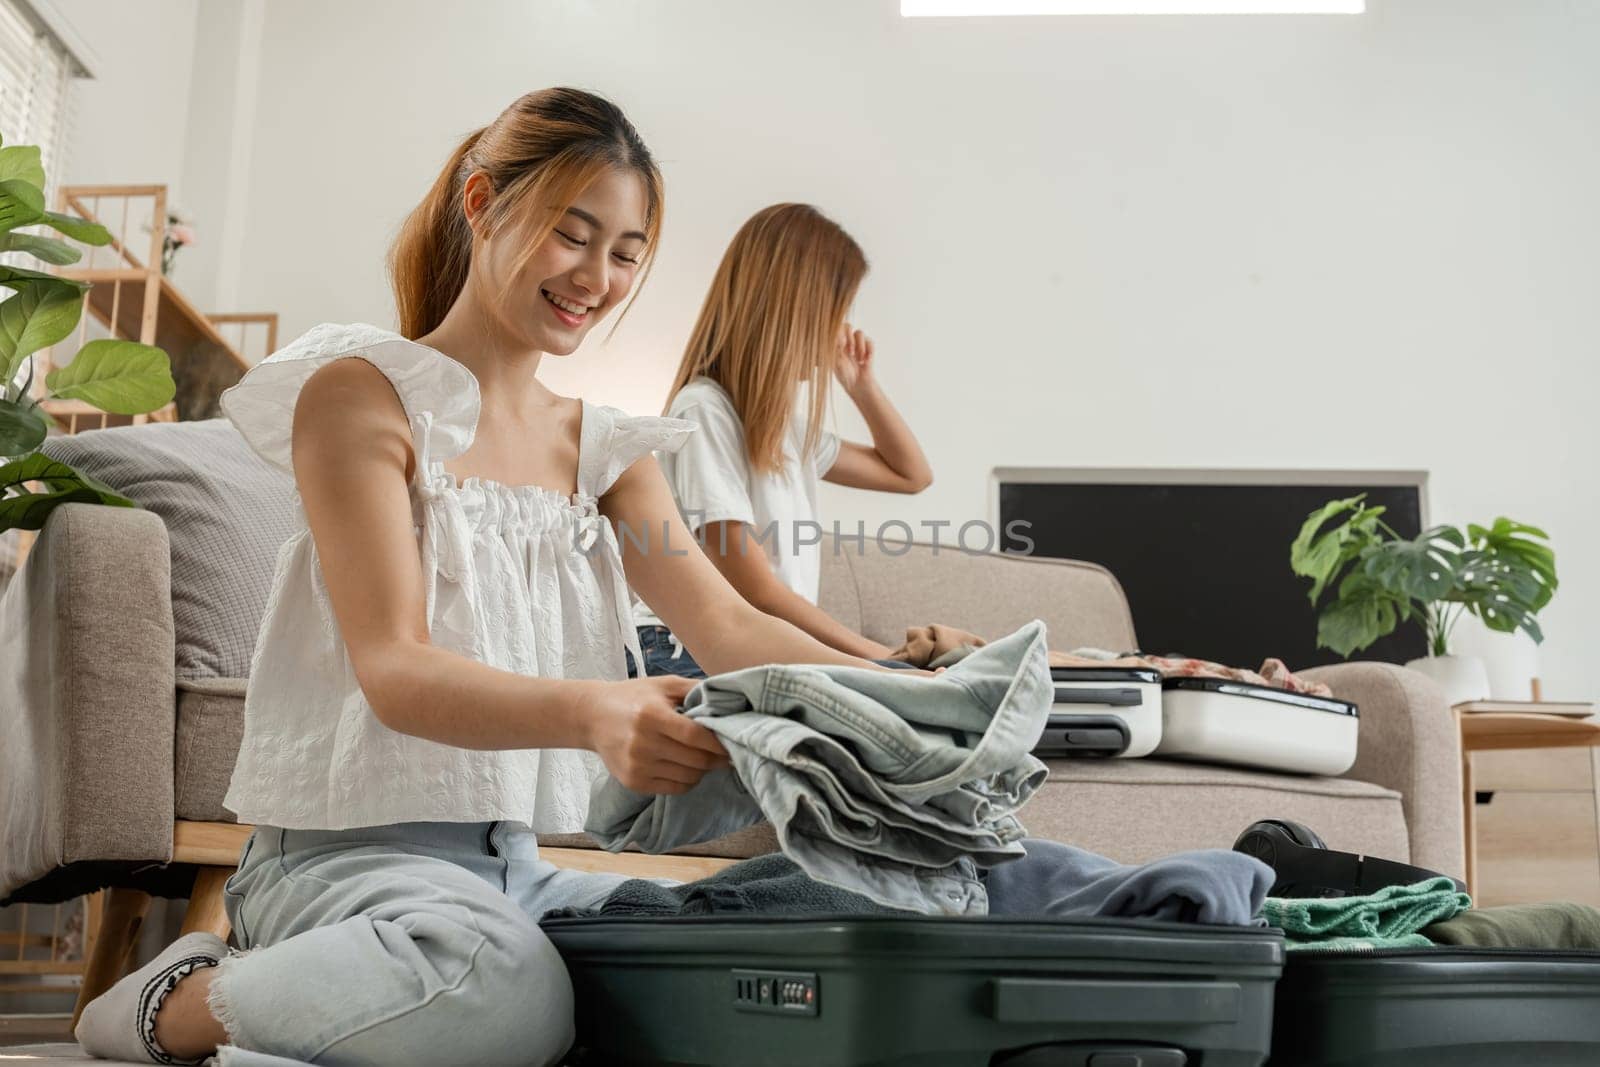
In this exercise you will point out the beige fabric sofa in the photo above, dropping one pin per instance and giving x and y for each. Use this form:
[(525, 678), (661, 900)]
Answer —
[(101, 750)]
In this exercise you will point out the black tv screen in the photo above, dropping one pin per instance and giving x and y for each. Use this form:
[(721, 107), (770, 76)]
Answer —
[(1206, 567)]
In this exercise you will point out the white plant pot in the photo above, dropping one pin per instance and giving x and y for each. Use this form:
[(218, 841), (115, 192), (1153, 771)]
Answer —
[(1512, 660), (1462, 678)]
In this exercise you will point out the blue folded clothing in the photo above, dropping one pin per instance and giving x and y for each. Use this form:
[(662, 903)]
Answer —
[(1053, 881)]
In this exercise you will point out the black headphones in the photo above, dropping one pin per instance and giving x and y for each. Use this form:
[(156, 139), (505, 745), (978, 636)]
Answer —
[(1306, 867)]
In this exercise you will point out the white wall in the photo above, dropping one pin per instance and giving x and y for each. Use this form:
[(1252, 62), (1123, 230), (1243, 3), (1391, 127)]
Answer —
[(215, 177), (1215, 241), (132, 117)]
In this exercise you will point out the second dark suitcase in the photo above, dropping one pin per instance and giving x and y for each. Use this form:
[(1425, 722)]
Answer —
[(874, 992), (1443, 1007)]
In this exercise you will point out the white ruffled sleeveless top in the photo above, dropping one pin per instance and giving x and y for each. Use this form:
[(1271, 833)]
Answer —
[(522, 578)]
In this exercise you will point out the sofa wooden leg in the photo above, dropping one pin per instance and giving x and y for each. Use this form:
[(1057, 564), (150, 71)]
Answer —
[(122, 915), (205, 911)]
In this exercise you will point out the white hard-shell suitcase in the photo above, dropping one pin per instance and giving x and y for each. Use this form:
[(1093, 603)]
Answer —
[(1220, 721), (1103, 711)]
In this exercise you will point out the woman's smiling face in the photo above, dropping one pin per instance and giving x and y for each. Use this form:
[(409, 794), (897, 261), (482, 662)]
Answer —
[(577, 275)]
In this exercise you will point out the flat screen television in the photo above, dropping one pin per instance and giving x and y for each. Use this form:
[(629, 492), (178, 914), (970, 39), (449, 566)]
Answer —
[(1204, 555)]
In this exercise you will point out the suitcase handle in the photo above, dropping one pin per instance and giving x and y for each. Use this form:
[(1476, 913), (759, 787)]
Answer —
[(1116, 698), (1083, 735), (1049, 1000), (1080, 1055)]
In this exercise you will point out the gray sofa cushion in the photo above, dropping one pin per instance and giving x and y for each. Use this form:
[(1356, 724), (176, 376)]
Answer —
[(227, 513)]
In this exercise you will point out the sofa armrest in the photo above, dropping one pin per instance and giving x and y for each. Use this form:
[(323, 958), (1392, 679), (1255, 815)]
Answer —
[(87, 682), (1409, 742)]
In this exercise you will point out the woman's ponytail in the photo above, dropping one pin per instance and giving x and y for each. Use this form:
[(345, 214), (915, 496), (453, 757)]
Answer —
[(429, 260)]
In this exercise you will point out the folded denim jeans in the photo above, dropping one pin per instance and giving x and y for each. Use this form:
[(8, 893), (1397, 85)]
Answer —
[(895, 785)]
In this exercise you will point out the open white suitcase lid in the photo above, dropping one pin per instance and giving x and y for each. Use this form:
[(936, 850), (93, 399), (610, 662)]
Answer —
[(1147, 675), (1263, 692)]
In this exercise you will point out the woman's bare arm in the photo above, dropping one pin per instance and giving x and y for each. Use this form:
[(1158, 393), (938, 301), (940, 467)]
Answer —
[(895, 462), (732, 548), (721, 629)]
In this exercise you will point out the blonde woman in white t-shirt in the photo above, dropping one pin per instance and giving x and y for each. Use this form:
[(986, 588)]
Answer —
[(440, 671), (755, 377)]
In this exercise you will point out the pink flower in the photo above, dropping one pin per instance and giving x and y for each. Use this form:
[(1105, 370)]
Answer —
[(181, 234)]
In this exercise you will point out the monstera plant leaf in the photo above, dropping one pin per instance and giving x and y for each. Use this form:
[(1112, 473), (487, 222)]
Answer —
[(1511, 545), (1423, 569), (1362, 612), (1320, 554), (1507, 577)]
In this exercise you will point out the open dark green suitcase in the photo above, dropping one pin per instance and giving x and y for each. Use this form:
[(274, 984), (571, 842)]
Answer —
[(1441, 1007), (855, 991)]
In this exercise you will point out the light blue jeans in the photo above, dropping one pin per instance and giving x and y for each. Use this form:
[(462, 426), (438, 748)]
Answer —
[(412, 943), (892, 784)]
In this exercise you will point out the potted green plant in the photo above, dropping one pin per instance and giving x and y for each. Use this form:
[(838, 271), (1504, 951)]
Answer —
[(121, 377), (1504, 574)]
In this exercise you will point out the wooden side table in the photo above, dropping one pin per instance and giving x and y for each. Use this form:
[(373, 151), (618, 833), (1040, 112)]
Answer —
[(1484, 731)]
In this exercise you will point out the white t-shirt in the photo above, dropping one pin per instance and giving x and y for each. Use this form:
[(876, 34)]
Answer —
[(712, 481)]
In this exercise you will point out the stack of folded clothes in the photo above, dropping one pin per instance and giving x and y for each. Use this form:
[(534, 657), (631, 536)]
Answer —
[(897, 786)]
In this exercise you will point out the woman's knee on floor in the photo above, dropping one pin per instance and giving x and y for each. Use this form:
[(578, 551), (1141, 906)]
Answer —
[(492, 990), (526, 993)]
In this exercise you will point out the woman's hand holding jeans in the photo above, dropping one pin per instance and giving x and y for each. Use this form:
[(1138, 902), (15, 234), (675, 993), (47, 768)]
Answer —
[(646, 742)]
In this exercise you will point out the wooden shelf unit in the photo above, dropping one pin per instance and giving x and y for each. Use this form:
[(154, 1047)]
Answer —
[(132, 299)]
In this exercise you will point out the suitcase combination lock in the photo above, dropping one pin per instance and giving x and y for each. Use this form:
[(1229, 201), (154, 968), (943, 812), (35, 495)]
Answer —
[(776, 992)]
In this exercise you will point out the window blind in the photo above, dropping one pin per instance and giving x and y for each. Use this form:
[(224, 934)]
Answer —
[(36, 73)]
